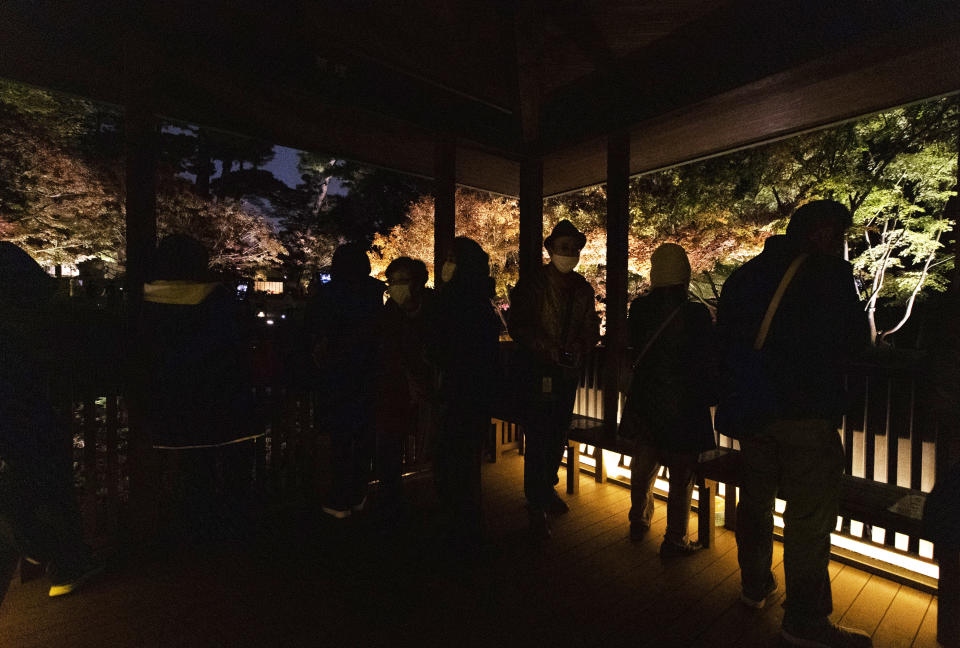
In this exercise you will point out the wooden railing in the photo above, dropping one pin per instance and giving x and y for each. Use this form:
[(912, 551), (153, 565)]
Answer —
[(885, 432), (288, 456)]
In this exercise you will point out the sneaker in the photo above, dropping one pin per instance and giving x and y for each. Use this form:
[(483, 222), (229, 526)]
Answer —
[(638, 531), (338, 511), (359, 506), (760, 602), (539, 526), (670, 549), (557, 506), (68, 583), (825, 635)]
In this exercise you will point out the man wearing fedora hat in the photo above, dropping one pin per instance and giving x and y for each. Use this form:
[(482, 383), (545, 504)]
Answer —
[(553, 318)]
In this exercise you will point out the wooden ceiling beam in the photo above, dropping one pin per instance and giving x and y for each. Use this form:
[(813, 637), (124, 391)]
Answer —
[(730, 48)]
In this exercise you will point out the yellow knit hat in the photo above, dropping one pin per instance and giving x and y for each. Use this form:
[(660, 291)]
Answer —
[(669, 266)]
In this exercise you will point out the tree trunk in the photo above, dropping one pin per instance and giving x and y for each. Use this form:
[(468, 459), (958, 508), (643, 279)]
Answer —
[(204, 166), (226, 168)]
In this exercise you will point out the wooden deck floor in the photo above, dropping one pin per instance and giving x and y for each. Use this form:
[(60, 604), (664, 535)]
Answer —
[(314, 581)]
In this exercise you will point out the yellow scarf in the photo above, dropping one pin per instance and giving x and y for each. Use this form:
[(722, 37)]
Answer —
[(184, 293)]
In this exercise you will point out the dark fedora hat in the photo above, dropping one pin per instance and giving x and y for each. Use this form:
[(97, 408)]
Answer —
[(566, 228)]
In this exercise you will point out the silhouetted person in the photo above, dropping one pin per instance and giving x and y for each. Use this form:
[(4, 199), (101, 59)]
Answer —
[(668, 407), (406, 377), (785, 403), (553, 318), (466, 345), (343, 326), (39, 517), (193, 390)]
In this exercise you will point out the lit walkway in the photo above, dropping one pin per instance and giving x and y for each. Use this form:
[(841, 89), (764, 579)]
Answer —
[(317, 582)]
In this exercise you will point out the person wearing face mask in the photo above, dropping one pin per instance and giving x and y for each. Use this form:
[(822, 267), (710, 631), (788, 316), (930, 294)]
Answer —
[(667, 414), (553, 318), (465, 347), (405, 378)]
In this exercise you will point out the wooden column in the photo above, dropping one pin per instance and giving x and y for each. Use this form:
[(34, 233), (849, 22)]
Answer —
[(444, 202), (142, 153), (531, 215), (142, 150), (530, 42), (618, 222)]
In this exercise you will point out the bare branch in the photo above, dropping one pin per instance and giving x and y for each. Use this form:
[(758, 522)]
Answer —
[(916, 291)]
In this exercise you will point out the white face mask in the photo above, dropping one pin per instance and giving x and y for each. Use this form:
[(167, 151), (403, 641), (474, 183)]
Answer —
[(400, 293), (446, 272), (564, 263)]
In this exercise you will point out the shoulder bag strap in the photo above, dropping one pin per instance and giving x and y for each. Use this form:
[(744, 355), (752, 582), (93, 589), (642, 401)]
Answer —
[(653, 338), (775, 302)]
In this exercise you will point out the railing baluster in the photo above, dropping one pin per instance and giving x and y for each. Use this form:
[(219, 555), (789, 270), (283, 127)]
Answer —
[(90, 482), (869, 424), (112, 462)]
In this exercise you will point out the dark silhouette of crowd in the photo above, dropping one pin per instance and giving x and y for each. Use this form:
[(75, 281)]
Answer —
[(388, 357)]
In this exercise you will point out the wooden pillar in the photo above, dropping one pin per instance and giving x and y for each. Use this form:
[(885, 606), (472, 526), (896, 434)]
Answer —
[(142, 153), (530, 43), (444, 202), (618, 222), (948, 596), (531, 215)]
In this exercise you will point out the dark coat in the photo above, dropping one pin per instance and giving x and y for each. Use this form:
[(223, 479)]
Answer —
[(31, 437), (405, 372), (29, 433), (674, 384), (549, 313), (343, 319), (189, 365), (819, 326), (465, 346)]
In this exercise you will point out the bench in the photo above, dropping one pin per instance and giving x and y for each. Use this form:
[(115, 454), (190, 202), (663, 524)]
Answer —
[(893, 508), (590, 431)]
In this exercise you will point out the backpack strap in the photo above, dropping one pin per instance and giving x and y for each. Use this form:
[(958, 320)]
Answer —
[(653, 338), (775, 302)]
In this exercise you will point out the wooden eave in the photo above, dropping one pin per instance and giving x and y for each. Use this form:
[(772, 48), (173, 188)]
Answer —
[(374, 83)]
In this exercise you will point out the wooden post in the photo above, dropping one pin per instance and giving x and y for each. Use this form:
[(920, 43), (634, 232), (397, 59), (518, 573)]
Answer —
[(531, 215), (142, 150), (530, 41), (142, 153), (444, 202), (948, 595), (706, 513), (573, 467), (618, 222)]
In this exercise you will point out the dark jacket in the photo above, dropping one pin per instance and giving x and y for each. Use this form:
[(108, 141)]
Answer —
[(31, 436), (404, 371), (674, 383), (343, 320), (191, 377), (819, 326), (551, 312), (29, 432), (465, 346)]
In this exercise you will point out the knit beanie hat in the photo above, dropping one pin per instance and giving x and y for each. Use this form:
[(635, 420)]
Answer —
[(669, 266), (566, 228)]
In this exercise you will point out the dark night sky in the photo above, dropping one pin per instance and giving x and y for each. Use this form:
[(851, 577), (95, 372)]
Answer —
[(284, 167)]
